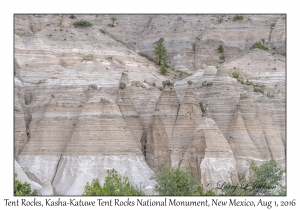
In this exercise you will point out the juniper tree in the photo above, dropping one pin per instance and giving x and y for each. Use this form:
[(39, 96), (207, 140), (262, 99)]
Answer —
[(160, 54)]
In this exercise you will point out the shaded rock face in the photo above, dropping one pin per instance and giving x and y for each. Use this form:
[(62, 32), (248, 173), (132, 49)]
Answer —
[(94, 141), (195, 141), (21, 133), (129, 113), (188, 118), (161, 131), (85, 102), (245, 151)]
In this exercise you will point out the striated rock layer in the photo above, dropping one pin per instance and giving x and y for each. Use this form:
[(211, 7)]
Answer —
[(87, 100), (101, 140), (219, 163), (161, 130)]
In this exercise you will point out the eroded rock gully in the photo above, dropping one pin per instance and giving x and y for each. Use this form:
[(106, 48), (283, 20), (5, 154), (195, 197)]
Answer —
[(86, 101)]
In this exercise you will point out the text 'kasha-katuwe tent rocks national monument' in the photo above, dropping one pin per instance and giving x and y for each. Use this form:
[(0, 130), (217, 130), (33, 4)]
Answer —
[(126, 92)]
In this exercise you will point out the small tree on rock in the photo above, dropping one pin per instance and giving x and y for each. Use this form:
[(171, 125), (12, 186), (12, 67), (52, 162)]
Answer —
[(220, 49), (160, 54), (163, 69), (222, 57), (113, 19)]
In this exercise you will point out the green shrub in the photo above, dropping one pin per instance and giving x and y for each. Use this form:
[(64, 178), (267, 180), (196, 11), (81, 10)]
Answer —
[(72, 16), (183, 74), (102, 31), (23, 189), (220, 20), (154, 84), (259, 46), (114, 185), (82, 24), (238, 17), (176, 182), (201, 107), (222, 57), (266, 180), (241, 80), (120, 41), (146, 56), (220, 48), (248, 82), (160, 54), (113, 19), (235, 75), (163, 69)]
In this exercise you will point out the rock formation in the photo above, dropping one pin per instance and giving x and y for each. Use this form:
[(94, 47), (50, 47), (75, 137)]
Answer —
[(87, 100), (188, 118), (219, 162), (101, 140), (128, 111), (161, 131)]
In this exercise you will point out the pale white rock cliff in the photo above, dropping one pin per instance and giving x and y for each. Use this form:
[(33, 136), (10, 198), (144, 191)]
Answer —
[(73, 121)]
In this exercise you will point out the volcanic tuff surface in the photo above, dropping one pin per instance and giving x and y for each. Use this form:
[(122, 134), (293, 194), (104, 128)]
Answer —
[(87, 101)]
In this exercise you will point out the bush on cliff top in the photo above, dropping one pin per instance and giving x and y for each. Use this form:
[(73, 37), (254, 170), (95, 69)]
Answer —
[(259, 46), (82, 24)]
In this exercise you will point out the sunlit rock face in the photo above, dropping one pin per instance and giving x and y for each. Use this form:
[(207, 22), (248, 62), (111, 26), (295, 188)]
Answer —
[(86, 101)]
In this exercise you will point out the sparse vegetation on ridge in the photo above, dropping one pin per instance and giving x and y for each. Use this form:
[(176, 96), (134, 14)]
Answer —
[(222, 57), (259, 46), (201, 107), (72, 16), (163, 69), (235, 75), (102, 31), (220, 49), (238, 17), (120, 41), (113, 19), (146, 56), (82, 24)]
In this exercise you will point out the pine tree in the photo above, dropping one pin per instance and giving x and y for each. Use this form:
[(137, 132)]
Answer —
[(220, 49), (160, 54)]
